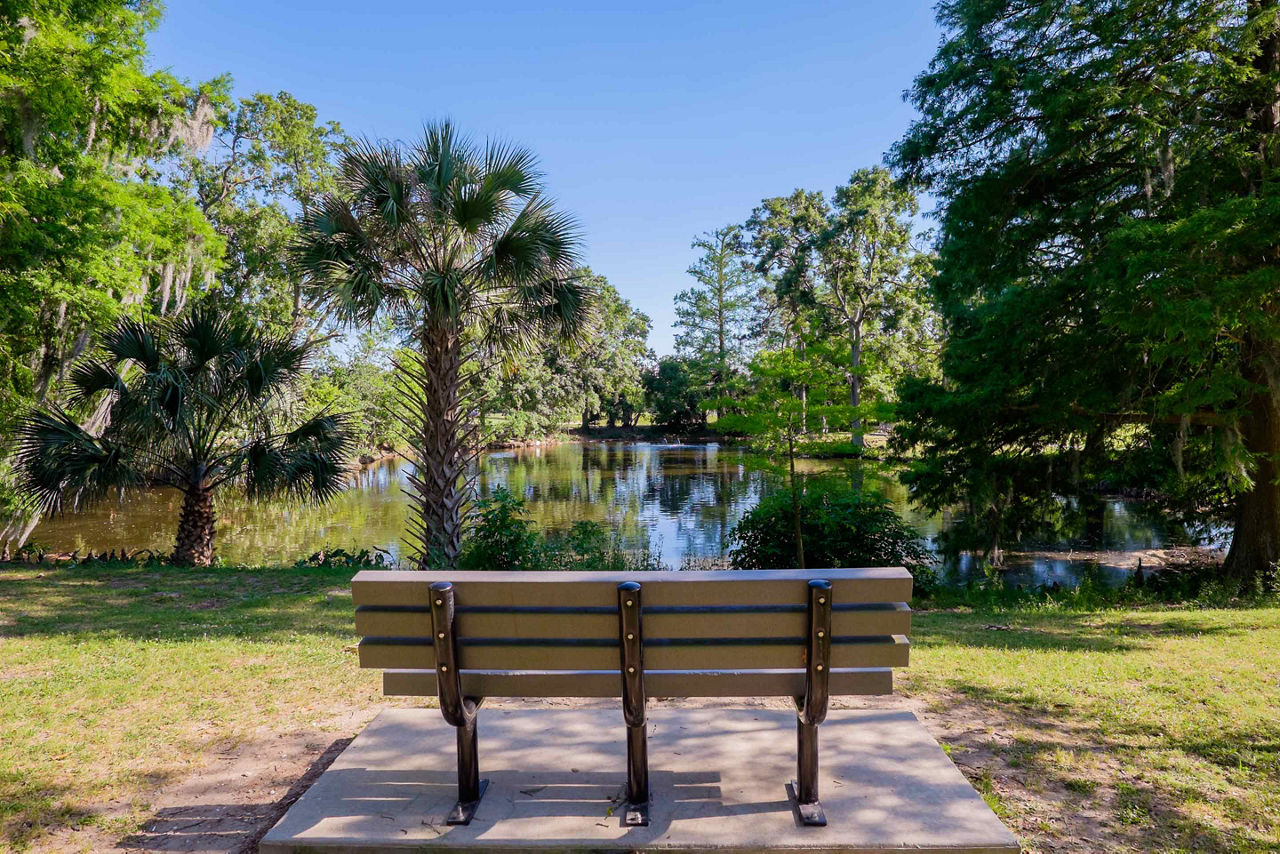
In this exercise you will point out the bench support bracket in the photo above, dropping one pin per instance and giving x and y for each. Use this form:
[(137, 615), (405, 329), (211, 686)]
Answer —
[(811, 709), (631, 643), (459, 711)]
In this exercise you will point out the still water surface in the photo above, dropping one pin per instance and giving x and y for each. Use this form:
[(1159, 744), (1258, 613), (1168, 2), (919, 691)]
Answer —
[(679, 500)]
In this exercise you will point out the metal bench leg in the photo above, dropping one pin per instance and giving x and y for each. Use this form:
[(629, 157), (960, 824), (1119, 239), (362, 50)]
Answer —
[(470, 786), (806, 784), (637, 776), (631, 644), (460, 712), (812, 707)]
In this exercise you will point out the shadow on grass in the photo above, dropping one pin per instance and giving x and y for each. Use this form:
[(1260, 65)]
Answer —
[(173, 603), (29, 805), (1062, 631), (1155, 813), (235, 828)]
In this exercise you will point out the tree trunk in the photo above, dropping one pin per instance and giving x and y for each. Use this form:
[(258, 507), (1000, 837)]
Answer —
[(722, 350), (1255, 544), (1094, 520), (804, 394), (795, 503), (855, 382), (194, 545), (431, 394)]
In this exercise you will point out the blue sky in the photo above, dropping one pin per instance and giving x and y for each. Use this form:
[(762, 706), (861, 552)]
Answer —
[(652, 123)]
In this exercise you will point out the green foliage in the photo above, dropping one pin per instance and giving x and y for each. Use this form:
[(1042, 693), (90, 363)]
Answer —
[(843, 526), (1107, 253), (672, 395), (271, 158), (561, 382), (846, 274), (792, 392), (192, 403), (361, 382), (458, 244), (503, 538), (714, 318), (86, 225), (334, 558)]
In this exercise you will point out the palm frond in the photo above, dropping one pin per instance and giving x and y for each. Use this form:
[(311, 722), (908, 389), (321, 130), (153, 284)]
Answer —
[(472, 207), (511, 169), (272, 364), (441, 294), (92, 377), (58, 461), (205, 337), (343, 263), (309, 463), (444, 157), (563, 305), (133, 341), (539, 243)]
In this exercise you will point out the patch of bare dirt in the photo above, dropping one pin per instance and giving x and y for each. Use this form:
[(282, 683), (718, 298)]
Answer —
[(226, 807)]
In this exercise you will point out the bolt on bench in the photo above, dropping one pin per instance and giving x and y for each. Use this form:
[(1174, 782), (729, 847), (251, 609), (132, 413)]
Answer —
[(465, 636)]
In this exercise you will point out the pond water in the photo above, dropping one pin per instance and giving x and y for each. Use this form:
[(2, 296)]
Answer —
[(680, 501)]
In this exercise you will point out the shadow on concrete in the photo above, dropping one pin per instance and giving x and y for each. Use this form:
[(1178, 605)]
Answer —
[(556, 780)]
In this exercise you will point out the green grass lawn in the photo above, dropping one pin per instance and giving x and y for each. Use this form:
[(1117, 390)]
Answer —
[(1148, 730), (1151, 729)]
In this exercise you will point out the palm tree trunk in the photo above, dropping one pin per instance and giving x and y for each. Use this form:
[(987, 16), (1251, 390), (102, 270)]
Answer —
[(434, 401), (194, 545)]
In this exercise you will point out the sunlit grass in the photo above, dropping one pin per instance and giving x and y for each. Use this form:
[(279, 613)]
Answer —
[(1167, 718), (116, 680)]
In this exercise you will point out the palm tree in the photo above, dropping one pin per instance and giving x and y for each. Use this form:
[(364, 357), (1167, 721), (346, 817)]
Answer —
[(194, 403), (458, 243)]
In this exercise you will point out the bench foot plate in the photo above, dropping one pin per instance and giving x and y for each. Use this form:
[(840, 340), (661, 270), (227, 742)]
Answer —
[(811, 815), (464, 811), (635, 815)]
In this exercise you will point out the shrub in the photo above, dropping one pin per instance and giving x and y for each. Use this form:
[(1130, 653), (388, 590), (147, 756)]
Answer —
[(841, 526), (501, 537)]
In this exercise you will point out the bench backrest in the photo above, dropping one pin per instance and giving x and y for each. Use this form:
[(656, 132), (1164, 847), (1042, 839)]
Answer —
[(705, 634)]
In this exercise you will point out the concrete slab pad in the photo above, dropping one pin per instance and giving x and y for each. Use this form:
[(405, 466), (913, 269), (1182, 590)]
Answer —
[(718, 778)]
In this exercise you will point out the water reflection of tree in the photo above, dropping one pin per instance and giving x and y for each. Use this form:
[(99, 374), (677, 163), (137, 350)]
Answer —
[(697, 491)]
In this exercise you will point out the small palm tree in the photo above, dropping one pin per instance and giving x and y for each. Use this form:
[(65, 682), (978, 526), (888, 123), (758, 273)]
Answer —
[(195, 404), (458, 243)]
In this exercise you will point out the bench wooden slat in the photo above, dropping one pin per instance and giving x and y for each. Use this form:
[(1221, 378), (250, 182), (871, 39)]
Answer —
[(750, 683), (721, 654), (599, 589), (886, 618)]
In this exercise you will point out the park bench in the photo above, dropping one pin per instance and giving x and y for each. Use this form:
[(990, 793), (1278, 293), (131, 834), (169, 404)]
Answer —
[(465, 636)]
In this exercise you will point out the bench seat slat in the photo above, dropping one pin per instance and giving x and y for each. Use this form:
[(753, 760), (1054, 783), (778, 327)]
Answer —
[(599, 589), (881, 618), (699, 654), (748, 683)]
